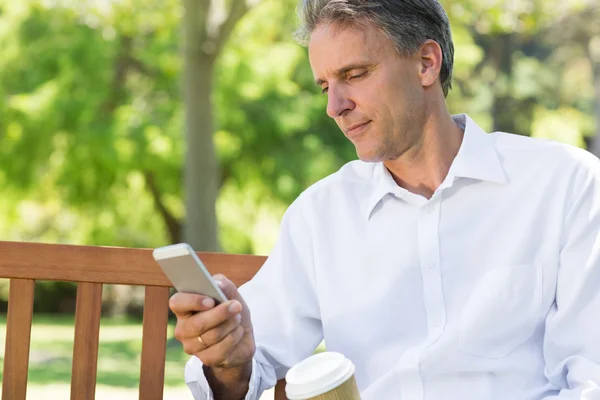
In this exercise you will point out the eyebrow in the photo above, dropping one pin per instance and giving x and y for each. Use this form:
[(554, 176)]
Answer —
[(343, 71)]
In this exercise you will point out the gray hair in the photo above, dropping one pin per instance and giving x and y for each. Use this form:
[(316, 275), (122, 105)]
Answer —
[(406, 23)]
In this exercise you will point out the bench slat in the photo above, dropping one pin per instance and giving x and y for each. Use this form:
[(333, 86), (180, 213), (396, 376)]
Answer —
[(18, 337), (109, 265), (152, 373), (85, 347), (91, 267), (280, 390)]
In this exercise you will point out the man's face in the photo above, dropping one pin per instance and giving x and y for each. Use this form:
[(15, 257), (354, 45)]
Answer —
[(374, 94)]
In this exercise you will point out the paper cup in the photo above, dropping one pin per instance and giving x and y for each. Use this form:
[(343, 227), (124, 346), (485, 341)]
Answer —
[(324, 376)]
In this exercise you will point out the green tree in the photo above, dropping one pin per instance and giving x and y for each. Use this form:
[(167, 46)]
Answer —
[(207, 26), (92, 118), (578, 32), (88, 118)]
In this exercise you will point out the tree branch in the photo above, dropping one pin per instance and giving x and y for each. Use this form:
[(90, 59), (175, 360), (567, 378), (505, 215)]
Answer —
[(237, 10), (120, 74), (173, 225), (140, 67), (124, 62)]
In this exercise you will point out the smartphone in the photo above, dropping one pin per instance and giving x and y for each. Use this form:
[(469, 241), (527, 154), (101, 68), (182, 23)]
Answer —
[(186, 272)]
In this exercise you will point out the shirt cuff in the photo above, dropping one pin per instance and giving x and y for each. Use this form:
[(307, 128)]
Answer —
[(198, 385)]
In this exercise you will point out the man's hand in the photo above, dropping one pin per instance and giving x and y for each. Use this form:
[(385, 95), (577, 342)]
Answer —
[(220, 336)]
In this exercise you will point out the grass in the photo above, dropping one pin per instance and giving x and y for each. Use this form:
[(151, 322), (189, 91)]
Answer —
[(118, 354)]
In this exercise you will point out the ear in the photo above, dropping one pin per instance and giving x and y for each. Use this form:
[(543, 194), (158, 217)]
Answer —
[(430, 62)]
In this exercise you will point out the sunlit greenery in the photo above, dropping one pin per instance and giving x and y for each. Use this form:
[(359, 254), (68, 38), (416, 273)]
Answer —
[(92, 122), (91, 112), (118, 354)]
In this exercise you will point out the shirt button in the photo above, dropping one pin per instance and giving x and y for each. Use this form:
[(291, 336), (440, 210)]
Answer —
[(430, 266)]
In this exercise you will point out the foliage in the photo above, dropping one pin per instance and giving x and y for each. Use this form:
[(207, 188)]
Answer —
[(91, 116)]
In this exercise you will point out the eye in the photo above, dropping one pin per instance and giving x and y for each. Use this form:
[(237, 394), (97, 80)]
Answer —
[(358, 75)]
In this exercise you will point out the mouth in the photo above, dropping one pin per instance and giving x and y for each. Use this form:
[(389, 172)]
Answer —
[(356, 129)]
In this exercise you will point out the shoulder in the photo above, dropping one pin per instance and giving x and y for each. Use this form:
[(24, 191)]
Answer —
[(543, 155), (349, 184), (352, 175), (352, 180), (551, 170)]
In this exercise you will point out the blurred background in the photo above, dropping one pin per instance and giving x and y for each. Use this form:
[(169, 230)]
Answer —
[(142, 123)]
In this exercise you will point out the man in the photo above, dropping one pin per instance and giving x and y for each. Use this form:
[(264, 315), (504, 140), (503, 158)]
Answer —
[(446, 264)]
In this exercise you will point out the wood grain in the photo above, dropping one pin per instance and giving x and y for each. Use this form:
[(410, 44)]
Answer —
[(18, 337), (92, 266), (280, 390), (110, 265), (85, 347), (152, 373)]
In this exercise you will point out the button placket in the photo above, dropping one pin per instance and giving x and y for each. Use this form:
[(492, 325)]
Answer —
[(431, 273), (428, 242)]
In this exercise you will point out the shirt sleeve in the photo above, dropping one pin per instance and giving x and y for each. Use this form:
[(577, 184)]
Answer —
[(284, 309), (572, 340), (198, 385)]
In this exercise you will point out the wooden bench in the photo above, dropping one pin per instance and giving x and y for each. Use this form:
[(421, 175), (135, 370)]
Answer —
[(91, 267)]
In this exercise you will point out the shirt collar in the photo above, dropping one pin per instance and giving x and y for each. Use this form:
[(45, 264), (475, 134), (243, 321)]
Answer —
[(477, 159)]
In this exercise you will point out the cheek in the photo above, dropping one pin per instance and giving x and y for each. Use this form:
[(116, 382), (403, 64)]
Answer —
[(388, 100)]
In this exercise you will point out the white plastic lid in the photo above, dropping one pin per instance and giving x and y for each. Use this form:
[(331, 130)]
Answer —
[(317, 374)]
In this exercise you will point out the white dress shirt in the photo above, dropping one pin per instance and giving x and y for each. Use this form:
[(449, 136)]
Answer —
[(488, 290)]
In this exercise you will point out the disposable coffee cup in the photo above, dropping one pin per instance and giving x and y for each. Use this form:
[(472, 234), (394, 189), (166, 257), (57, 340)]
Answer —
[(323, 376)]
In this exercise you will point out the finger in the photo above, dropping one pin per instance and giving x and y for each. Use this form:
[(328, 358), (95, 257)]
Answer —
[(193, 345), (202, 322), (218, 333), (184, 304), (218, 354), (227, 287)]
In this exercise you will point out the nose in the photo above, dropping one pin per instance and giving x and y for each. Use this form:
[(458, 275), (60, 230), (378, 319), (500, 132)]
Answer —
[(338, 102)]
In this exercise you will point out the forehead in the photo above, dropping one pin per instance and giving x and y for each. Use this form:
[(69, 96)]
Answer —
[(334, 45)]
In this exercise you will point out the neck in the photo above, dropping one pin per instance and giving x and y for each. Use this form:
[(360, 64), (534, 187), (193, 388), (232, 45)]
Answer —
[(423, 167)]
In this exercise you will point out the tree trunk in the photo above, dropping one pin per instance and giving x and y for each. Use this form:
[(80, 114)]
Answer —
[(503, 108), (594, 55), (201, 169)]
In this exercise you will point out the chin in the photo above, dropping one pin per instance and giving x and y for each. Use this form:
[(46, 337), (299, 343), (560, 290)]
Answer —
[(369, 157)]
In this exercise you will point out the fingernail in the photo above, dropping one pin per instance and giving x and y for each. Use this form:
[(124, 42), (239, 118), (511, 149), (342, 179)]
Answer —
[(208, 302), (219, 283), (235, 307), (238, 318)]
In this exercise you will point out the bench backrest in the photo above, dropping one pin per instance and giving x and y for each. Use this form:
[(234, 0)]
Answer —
[(91, 267)]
